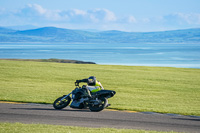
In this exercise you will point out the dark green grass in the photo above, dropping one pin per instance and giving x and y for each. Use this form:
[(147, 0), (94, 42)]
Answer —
[(155, 89)]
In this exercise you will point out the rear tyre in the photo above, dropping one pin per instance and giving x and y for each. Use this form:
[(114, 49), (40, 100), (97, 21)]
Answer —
[(58, 104), (100, 106)]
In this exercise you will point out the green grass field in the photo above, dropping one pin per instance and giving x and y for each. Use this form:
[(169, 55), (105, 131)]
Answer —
[(154, 89), (43, 128)]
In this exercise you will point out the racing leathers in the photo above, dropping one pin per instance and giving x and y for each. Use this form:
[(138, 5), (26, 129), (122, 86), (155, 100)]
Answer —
[(91, 87)]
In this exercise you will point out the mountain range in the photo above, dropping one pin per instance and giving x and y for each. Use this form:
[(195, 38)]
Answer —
[(60, 35)]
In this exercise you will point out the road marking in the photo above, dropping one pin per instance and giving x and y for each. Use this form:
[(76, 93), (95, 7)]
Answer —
[(122, 110), (11, 102), (111, 110), (130, 111)]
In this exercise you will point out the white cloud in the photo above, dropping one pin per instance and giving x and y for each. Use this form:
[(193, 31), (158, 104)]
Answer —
[(101, 15), (183, 18), (98, 18), (192, 18), (37, 8), (31, 10), (109, 16), (34, 11), (131, 19)]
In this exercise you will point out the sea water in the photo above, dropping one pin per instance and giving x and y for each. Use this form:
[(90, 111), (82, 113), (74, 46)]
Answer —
[(166, 55)]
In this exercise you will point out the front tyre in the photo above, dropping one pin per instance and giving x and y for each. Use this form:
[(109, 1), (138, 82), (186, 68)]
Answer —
[(96, 107), (58, 104)]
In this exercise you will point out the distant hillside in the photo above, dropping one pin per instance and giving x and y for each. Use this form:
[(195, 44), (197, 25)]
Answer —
[(53, 34), (5, 30)]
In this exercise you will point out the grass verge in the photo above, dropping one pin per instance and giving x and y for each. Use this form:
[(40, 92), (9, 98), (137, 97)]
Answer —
[(43, 128), (154, 89)]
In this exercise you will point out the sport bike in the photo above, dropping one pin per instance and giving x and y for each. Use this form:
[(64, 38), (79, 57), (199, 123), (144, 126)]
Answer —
[(96, 102)]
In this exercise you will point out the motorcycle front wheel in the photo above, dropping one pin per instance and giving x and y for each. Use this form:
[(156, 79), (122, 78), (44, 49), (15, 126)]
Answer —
[(58, 104), (100, 106)]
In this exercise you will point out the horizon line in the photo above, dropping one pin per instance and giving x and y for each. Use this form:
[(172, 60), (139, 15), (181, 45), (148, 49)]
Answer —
[(92, 30)]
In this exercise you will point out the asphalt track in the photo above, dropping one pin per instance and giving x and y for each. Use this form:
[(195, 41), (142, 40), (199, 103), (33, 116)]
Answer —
[(45, 114)]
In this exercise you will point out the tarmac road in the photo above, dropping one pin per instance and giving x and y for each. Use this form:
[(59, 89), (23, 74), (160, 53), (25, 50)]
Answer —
[(46, 114)]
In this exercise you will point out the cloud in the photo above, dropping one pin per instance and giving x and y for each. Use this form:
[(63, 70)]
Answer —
[(132, 19), (97, 18), (34, 11), (36, 8), (103, 14), (182, 18), (94, 16), (170, 21)]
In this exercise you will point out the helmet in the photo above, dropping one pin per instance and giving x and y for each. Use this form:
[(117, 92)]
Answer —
[(91, 80)]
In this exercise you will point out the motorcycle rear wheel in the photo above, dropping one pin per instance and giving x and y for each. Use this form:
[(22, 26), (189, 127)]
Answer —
[(58, 104), (100, 106)]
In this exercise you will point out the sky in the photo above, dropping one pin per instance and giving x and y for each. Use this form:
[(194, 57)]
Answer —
[(101, 15)]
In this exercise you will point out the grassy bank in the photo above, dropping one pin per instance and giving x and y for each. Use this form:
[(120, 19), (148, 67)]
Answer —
[(43, 128), (156, 89), (53, 60)]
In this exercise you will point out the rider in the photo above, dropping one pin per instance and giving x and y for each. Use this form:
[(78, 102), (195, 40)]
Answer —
[(93, 85)]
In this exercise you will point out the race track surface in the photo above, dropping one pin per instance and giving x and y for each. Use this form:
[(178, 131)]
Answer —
[(46, 114)]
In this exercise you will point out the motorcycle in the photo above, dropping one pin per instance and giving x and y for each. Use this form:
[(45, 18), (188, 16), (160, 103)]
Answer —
[(80, 100)]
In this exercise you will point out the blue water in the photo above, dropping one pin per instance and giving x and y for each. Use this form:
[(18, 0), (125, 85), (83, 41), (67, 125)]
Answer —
[(169, 55)]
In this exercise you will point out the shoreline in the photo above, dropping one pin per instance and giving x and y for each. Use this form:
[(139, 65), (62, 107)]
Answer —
[(190, 66), (52, 60)]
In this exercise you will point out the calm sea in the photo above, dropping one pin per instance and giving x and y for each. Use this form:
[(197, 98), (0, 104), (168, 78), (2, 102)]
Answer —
[(169, 55)]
